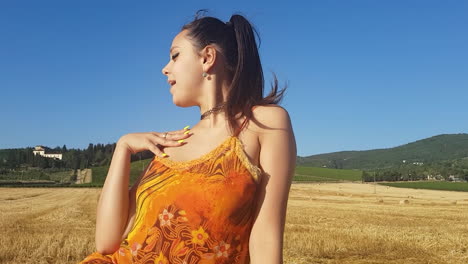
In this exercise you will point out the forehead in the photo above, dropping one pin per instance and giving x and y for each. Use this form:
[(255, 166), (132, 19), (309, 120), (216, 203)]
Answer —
[(180, 40)]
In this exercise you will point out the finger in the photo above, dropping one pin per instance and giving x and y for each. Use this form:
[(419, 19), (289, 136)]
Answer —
[(157, 151), (182, 134), (181, 131), (163, 135), (160, 134), (169, 141)]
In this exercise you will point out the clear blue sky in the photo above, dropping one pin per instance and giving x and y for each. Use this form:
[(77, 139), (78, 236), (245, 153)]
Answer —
[(361, 74)]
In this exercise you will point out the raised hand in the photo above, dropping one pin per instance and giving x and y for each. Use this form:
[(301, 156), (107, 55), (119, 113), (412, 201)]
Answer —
[(154, 141)]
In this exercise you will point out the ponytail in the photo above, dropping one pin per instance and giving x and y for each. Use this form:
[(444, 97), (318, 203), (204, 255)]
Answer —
[(236, 41)]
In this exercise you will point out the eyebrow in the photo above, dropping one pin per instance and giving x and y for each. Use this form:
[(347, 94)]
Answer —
[(173, 48)]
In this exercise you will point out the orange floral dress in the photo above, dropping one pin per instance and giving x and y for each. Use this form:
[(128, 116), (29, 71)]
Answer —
[(192, 212)]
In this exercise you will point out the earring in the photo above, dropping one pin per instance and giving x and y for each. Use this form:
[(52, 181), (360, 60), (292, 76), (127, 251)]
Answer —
[(205, 74)]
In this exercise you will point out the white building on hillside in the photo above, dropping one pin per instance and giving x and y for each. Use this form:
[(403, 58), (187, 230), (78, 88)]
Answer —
[(41, 151)]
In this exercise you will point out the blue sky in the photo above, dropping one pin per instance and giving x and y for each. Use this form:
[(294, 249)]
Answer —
[(361, 74)]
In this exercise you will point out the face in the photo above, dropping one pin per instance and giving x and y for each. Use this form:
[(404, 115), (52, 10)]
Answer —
[(185, 70)]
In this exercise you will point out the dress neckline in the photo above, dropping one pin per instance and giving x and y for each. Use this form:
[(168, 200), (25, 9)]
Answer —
[(238, 148), (201, 158)]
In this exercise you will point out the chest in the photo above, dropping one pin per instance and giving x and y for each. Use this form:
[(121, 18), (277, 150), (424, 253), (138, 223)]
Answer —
[(202, 143)]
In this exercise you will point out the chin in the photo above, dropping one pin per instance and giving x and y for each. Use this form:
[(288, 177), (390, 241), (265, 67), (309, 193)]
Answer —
[(181, 103)]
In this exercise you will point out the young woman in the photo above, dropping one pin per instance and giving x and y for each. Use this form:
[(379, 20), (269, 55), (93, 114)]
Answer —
[(216, 193)]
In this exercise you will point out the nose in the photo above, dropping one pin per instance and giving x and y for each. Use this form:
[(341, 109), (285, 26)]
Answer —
[(164, 70)]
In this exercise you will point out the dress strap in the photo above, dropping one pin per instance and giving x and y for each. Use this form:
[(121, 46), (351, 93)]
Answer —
[(239, 129), (244, 123)]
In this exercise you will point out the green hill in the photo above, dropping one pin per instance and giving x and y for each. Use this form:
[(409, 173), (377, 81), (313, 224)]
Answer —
[(433, 149), (308, 174), (100, 173)]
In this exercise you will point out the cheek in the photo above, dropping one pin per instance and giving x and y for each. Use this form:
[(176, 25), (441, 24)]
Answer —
[(189, 72)]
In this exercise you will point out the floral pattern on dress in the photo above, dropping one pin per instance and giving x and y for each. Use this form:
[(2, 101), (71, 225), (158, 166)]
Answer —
[(191, 212), (165, 218), (199, 236), (221, 250)]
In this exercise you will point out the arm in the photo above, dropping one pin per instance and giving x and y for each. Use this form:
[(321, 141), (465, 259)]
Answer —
[(132, 203), (278, 160), (113, 205)]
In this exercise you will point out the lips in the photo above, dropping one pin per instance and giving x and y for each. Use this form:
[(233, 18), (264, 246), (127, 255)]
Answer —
[(171, 82)]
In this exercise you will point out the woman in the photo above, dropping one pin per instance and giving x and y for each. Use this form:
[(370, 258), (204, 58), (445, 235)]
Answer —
[(216, 193)]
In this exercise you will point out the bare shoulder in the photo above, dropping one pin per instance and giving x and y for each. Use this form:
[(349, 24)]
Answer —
[(270, 118)]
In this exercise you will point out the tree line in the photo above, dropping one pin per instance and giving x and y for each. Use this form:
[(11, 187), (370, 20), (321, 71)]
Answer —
[(442, 170), (12, 160)]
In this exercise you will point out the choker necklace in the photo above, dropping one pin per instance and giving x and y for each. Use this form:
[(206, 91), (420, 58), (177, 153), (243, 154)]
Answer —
[(212, 110)]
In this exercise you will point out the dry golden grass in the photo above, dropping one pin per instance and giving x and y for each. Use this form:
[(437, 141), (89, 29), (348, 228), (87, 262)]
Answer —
[(348, 223), (326, 223), (42, 225)]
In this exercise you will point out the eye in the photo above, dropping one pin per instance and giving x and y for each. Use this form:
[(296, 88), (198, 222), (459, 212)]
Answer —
[(174, 56)]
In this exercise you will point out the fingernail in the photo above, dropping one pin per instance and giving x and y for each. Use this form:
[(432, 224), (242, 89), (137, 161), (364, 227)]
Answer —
[(180, 141), (187, 127), (186, 132), (164, 155)]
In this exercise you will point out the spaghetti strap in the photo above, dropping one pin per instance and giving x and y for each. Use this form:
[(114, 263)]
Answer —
[(244, 123)]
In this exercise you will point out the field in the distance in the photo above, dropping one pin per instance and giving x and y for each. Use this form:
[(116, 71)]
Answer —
[(326, 223), (431, 185), (316, 174)]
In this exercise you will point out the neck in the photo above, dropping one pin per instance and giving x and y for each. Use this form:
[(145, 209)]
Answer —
[(218, 108), (216, 94), (214, 117)]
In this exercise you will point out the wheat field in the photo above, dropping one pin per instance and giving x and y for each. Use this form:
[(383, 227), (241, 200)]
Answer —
[(326, 223)]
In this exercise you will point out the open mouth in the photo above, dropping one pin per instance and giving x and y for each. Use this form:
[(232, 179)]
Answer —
[(171, 83)]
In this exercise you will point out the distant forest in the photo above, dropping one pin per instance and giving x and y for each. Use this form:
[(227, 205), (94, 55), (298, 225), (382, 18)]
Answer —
[(72, 159), (441, 157), (449, 170)]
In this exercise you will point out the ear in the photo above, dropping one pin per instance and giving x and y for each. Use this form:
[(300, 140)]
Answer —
[(208, 57)]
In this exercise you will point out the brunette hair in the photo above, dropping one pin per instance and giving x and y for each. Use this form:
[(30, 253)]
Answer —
[(237, 44)]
